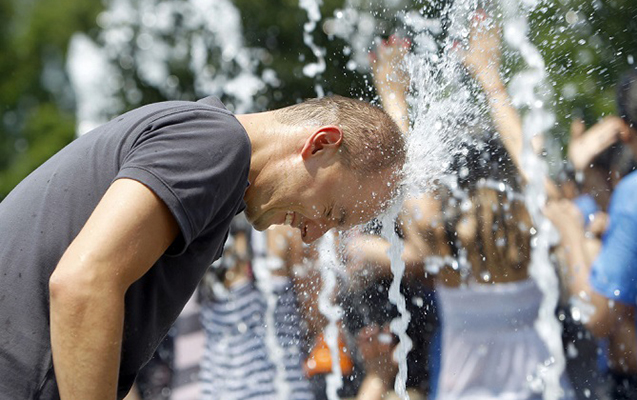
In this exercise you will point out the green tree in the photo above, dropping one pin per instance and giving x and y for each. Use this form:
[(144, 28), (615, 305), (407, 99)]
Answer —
[(587, 46), (37, 110)]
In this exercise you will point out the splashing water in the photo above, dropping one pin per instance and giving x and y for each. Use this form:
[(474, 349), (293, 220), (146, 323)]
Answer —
[(263, 265), (442, 106), (536, 121), (399, 324), (329, 265), (315, 69), (432, 79)]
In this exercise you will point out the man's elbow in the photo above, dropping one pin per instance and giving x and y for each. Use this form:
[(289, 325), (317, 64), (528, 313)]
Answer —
[(68, 293), (75, 286)]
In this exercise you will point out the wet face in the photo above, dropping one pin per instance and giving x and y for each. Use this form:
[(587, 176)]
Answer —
[(332, 197)]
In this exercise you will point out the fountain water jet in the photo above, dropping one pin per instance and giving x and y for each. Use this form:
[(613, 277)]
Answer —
[(263, 265), (329, 265), (399, 324), (536, 121)]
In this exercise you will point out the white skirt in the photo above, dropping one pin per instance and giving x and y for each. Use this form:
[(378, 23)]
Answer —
[(490, 348)]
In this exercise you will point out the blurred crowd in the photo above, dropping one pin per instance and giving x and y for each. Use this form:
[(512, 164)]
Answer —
[(467, 252)]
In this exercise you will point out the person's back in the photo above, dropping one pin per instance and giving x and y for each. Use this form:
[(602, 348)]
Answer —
[(487, 302)]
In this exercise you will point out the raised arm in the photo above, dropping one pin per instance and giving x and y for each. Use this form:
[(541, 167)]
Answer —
[(586, 145), (610, 319), (482, 58), (128, 231), (391, 81)]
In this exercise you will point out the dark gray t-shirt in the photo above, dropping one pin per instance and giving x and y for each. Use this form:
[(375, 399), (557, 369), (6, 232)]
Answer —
[(194, 156)]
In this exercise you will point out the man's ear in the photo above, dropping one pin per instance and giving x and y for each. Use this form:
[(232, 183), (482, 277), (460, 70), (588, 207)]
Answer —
[(324, 140)]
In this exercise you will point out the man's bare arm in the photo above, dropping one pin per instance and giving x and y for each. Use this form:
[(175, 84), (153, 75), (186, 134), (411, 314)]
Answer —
[(128, 231)]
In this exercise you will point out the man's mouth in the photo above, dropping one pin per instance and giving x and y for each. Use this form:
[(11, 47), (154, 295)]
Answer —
[(292, 220), (289, 217)]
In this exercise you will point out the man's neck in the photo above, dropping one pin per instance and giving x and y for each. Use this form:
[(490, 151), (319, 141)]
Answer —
[(260, 128)]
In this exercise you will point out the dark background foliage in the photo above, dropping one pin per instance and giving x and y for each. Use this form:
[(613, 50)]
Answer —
[(586, 44)]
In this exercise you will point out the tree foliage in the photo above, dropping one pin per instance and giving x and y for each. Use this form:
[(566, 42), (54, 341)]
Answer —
[(37, 109), (586, 45)]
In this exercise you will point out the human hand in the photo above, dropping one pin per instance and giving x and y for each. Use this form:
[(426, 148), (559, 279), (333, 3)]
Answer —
[(377, 346), (586, 145), (565, 216), (598, 224), (482, 57), (387, 65)]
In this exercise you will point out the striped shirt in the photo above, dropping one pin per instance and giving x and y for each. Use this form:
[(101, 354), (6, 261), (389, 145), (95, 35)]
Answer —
[(237, 363)]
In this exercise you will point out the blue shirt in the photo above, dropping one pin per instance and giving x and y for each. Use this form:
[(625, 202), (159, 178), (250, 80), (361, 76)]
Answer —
[(614, 272)]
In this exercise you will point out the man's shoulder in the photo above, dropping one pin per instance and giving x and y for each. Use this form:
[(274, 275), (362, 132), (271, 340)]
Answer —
[(163, 109), (208, 119)]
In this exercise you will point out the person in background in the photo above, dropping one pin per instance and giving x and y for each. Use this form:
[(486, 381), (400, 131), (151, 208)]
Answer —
[(608, 279), (240, 361), (599, 161), (480, 242)]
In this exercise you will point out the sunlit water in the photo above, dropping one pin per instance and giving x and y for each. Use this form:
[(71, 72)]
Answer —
[(329, 265), (263, 266), (527, 93), (398, 326), (442, 104)]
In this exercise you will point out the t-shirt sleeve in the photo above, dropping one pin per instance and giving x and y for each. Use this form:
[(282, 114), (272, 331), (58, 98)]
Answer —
[(197, 162), (614, 272)]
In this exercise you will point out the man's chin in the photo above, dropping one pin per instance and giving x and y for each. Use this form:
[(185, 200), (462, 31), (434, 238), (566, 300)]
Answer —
[(259, 224), (260, 228)]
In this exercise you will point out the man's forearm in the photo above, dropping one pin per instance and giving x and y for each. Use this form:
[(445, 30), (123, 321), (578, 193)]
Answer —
[(86, 336), (130, 228)]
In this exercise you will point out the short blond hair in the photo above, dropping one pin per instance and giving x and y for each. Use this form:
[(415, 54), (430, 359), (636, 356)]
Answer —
[(372, 141)]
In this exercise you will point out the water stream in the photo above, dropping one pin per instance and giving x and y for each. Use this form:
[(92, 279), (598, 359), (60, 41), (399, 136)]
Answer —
[(329, 264), (398, 325), (529, 93), (263, 264)]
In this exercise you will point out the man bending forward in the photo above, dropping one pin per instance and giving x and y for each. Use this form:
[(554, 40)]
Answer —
[(102, 245)]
